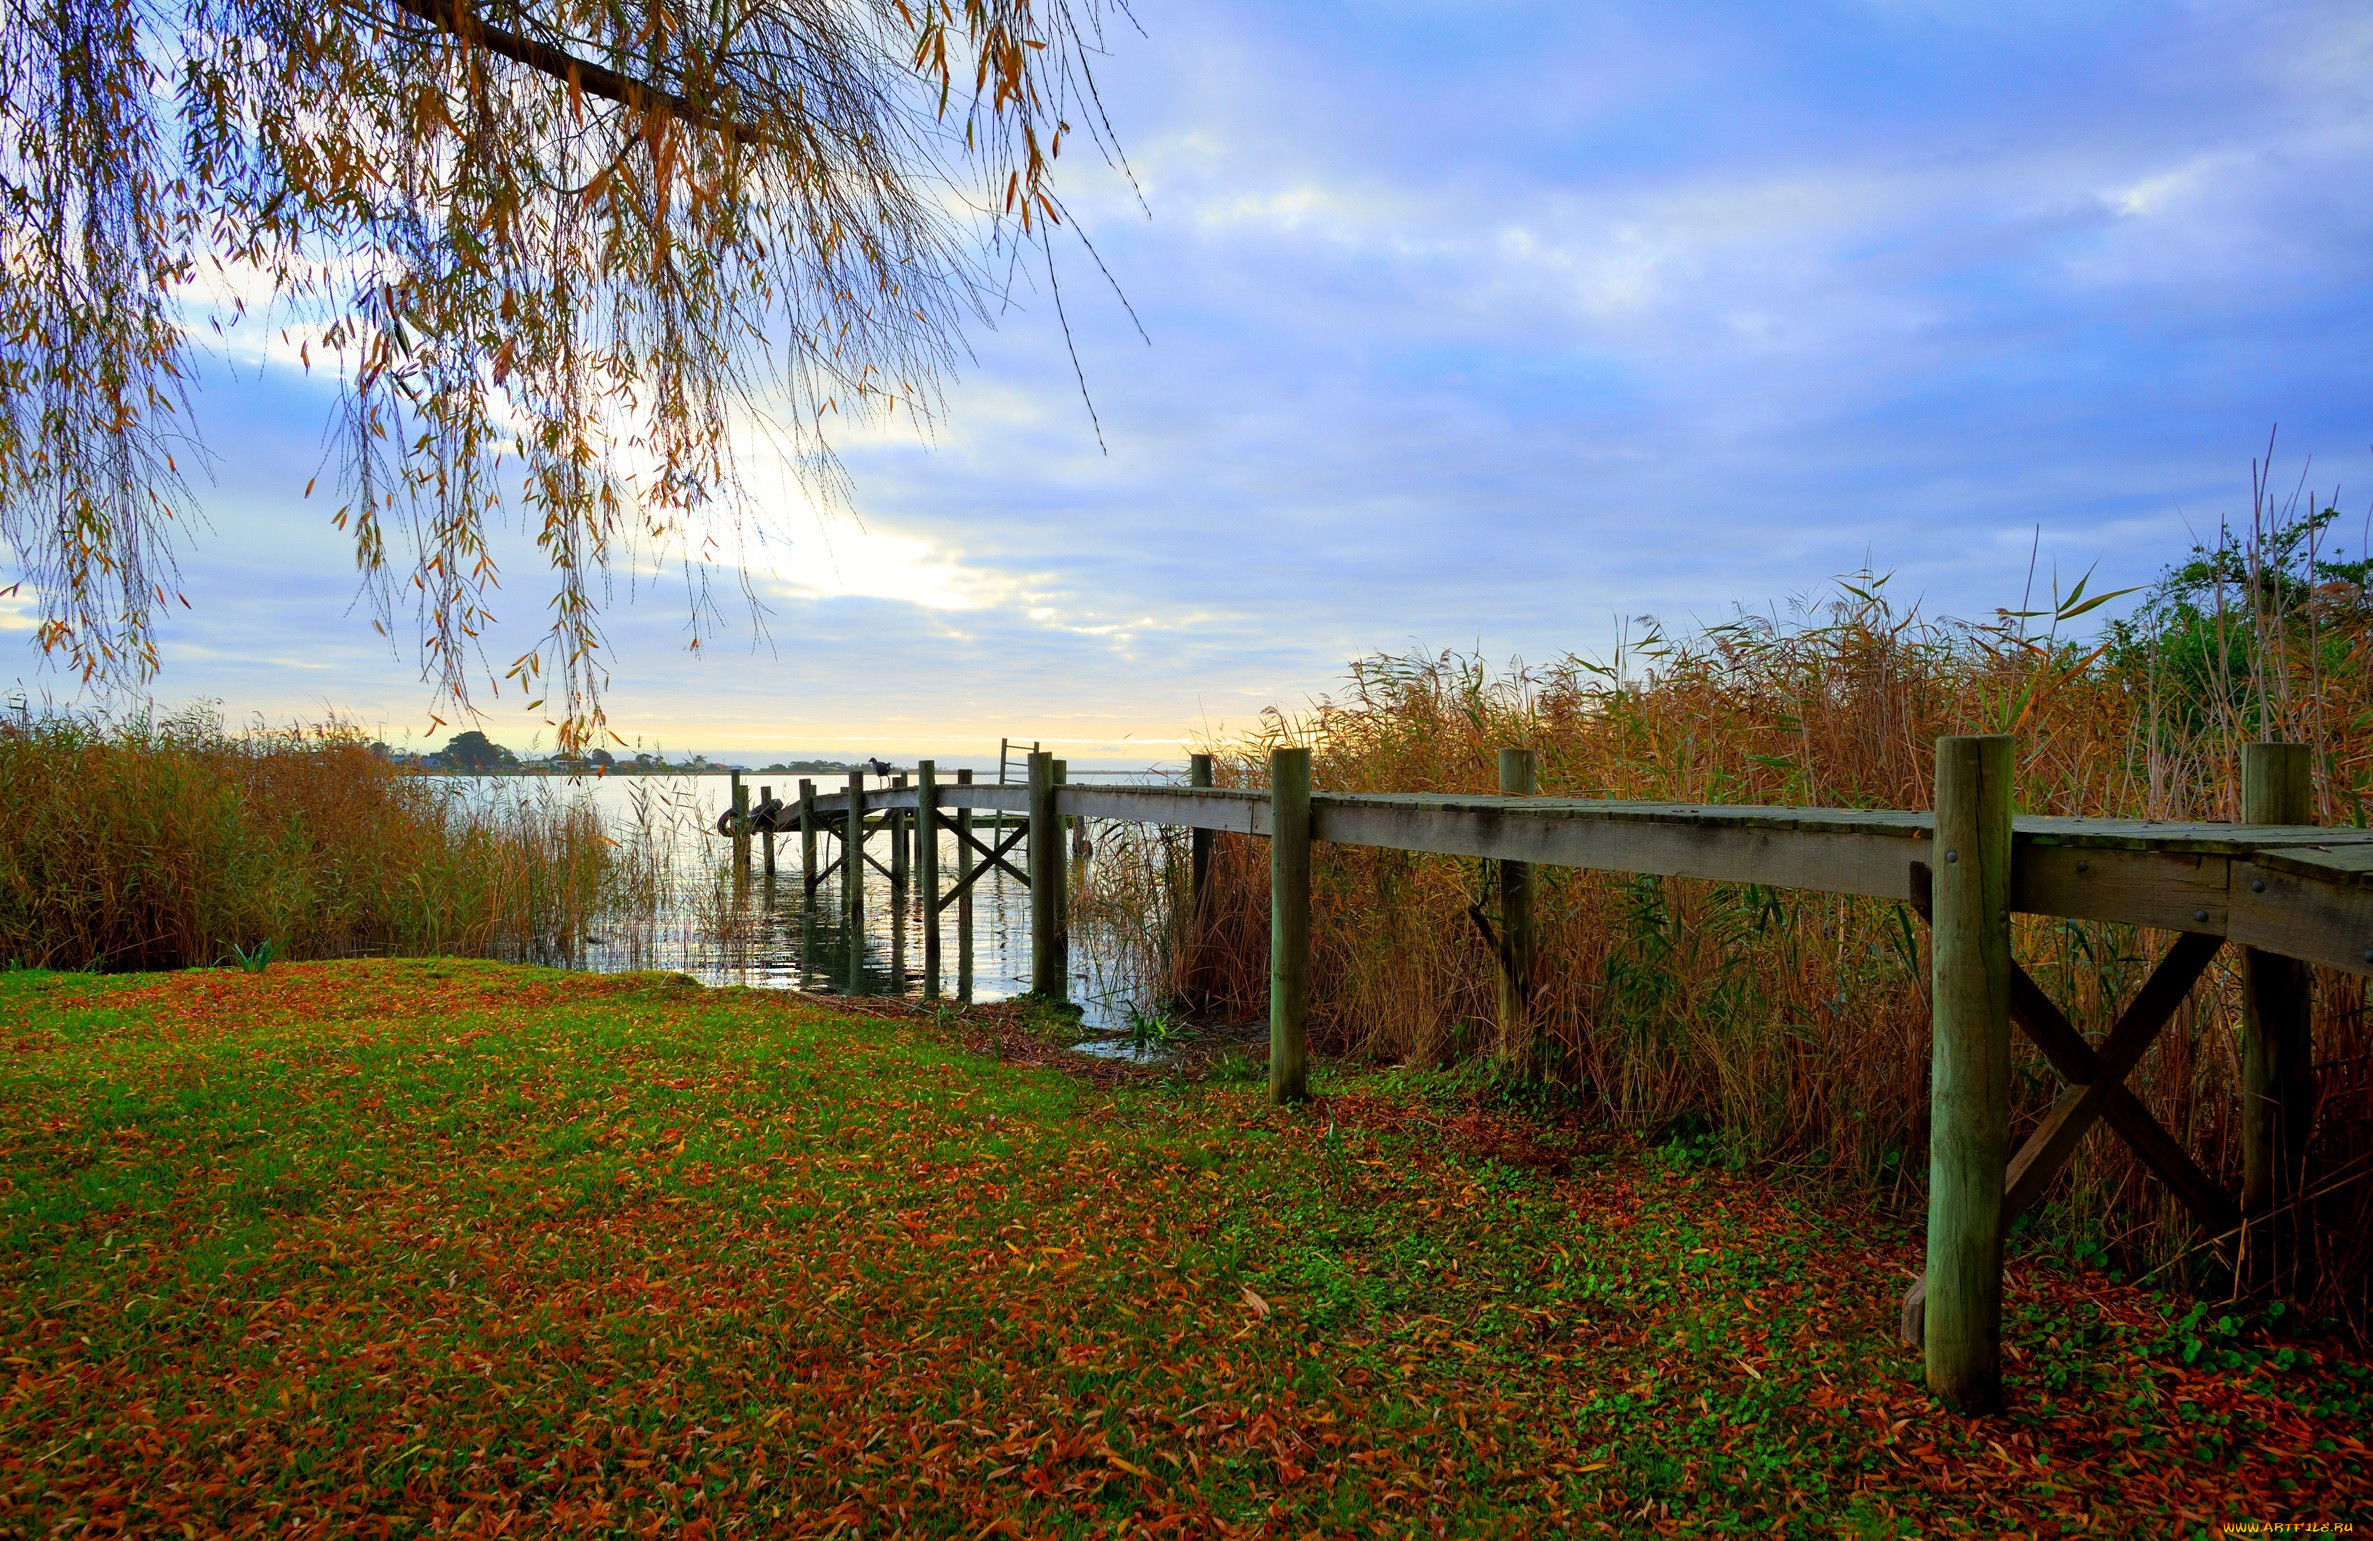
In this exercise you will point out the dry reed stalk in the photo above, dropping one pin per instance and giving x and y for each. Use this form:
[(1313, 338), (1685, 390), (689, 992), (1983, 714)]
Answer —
[(167, 842)]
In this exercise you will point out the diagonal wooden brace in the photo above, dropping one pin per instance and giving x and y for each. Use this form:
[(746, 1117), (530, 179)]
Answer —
[(2153, 1006), (2049, 1030), (2097, 1091), (989, 858), (1020, 833), (2077, 1063)]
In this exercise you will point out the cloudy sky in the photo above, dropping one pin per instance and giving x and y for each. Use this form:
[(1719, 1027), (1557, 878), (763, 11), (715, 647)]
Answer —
[(1489, 323)]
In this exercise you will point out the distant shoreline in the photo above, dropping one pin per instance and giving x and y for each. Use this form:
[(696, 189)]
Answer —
[(612, 772)]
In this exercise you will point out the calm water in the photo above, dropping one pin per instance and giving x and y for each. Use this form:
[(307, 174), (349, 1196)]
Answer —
[(768, 932)]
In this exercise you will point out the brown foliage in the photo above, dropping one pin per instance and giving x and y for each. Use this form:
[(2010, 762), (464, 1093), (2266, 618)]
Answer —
[(167, 844)]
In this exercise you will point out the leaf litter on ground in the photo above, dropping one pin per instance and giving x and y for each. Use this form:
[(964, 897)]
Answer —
[(400, 1248)]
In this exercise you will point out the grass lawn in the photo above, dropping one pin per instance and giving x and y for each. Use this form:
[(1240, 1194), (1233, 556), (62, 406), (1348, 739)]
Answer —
[(462, 1249)]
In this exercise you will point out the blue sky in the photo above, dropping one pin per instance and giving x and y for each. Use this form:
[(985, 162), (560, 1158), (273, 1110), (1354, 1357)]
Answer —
[(1489, 324)]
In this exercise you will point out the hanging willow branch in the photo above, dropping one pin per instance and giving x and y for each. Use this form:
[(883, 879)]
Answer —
[(464, 22), (558, 258)]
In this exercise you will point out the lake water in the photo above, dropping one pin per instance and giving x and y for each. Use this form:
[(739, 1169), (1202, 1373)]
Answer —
[(768, 932)]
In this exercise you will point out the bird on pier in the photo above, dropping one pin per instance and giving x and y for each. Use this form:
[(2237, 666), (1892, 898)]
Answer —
[(878, 766)]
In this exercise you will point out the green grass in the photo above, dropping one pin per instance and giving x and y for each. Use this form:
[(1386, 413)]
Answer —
[(407, 1248)]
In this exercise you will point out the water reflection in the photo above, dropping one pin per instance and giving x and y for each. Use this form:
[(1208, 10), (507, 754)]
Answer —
[(775, 930)]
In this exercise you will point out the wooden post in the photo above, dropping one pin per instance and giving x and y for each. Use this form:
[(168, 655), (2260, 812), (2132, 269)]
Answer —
[(765, 796), (1003, 746), (852, 855), (895, 822), (1289, 924), (1063, 888), (741, 826), (1047, 973), (927, 868), (1077, 824), (807, 835), (2277, 1072), (1969, 1139), (1199, 775), (964, 899), (1199, 899), (1516, 924)]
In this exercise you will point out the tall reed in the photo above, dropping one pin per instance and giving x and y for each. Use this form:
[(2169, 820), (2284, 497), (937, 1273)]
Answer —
[(166, 842), (1793, 1028)]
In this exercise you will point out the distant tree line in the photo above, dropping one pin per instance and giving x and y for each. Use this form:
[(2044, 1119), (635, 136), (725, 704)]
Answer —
[(472, 753)]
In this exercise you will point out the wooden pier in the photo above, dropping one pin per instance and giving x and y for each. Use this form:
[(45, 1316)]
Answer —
[(2288, 893)]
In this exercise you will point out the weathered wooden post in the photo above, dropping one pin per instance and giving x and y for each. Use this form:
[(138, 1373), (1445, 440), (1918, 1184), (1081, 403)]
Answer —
[(852, 853), (1199, 895), (807, 835), (2277, 1071), (1516, 924), (1289, 924), (1077, 824), (964, 899), (741, 827), (1970, 962), (1199, 865), (1063, 823), (767, 795), (895, 823), (914, 842), (927, 868), (1048, 976)]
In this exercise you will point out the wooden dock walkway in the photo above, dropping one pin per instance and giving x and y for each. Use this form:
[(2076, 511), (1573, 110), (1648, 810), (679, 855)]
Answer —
[(2288, 893)]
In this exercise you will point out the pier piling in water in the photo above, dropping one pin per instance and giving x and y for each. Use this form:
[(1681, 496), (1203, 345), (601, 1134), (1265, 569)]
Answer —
[(927, 868), (852, 856), (807, 835), (741, 827), (1049, 977), (964, 895)]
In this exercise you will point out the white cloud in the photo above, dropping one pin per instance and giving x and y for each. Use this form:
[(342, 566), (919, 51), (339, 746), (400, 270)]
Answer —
[(847, 560)]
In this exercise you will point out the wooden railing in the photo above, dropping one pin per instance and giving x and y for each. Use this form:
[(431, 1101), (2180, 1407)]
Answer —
[(2289, 893)]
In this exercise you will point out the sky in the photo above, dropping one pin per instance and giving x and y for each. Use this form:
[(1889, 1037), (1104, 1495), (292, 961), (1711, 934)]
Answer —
[(1492, 325)]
